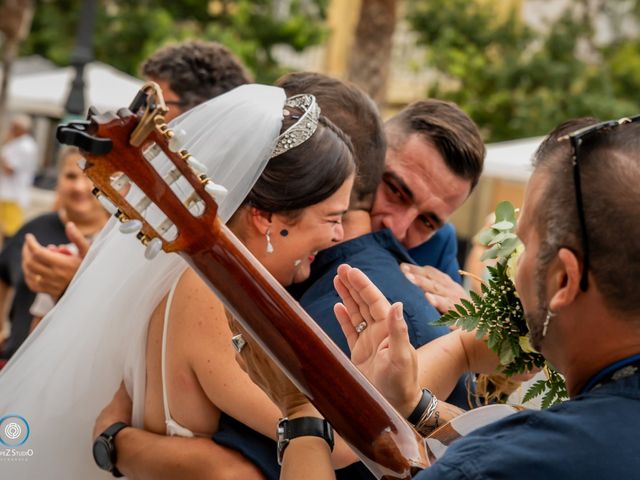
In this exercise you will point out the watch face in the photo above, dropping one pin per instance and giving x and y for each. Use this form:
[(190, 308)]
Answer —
[(102, 453)]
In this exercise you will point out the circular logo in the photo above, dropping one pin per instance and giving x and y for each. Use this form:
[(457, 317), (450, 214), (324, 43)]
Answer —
[(14, 430)]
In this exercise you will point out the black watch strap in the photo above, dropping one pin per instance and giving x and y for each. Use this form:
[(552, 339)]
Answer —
[(113, 430), (425, 399), (302, 427), (110, 434)]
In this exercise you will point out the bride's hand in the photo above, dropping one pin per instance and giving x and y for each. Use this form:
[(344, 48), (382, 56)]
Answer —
[(118, 410), (267, 375), (378, 338)]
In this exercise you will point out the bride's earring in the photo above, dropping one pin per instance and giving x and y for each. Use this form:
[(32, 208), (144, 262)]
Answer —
[(269, 244)]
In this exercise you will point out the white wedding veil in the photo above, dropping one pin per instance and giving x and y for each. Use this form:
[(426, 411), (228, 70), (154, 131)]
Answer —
[(71, 366)]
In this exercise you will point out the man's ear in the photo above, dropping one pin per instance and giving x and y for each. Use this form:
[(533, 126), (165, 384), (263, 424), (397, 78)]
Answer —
[(564, 278), (260, 219)]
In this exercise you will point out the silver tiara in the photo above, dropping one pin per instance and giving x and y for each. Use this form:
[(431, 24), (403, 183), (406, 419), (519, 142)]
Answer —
[(306, 125)]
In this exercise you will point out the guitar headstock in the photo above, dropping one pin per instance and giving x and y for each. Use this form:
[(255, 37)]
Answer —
[(134, 148)]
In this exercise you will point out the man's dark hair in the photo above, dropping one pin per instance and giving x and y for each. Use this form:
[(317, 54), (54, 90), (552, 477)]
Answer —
[(609, 174), (196, 71), (448, 128), (355, 114)]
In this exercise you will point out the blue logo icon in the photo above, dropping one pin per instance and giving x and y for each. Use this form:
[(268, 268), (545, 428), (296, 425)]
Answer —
[(14, 430)]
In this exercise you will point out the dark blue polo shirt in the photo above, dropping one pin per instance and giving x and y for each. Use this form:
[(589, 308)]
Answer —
[(440, 251), (593, 436)]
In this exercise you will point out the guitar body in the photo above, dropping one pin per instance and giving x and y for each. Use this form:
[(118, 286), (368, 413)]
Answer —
[(441, 438)]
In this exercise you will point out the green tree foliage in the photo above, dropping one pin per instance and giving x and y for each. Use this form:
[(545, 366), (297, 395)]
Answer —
[(516, 81), (127, 31)]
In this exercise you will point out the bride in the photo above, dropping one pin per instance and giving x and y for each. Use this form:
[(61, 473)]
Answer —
[(70, 367)]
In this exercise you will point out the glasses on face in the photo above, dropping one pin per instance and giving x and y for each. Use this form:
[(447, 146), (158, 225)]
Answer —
[(577, 139)]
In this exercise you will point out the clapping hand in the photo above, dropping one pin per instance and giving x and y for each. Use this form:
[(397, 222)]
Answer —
[(378, 338), (50, 269)]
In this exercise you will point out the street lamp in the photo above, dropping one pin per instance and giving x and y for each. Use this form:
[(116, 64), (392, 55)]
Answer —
[(82, 54)]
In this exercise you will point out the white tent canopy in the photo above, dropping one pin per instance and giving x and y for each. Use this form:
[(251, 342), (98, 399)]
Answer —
[(511, 160), (46, 93)]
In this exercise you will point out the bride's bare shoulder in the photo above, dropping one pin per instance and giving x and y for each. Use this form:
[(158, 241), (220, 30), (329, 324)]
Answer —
[(194, 304)]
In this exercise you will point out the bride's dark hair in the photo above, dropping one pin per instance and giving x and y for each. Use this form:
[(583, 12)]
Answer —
[(306, 174)]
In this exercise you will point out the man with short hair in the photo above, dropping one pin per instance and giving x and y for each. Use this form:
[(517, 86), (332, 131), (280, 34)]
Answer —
[(193, 72), (18, 163), (434, 160)]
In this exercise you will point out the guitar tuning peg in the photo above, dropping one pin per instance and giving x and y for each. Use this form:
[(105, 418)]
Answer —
[(177, 140), (121, 182), (196, 165), (131, 226), (121, 216), (218, 192), (153, 248), (104, 201), (151, 151), (107, 204)]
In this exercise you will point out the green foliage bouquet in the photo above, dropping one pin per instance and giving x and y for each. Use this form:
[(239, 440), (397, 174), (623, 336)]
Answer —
[(497, 315)]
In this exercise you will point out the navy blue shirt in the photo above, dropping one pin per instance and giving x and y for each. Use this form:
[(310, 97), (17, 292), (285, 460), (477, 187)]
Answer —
[(593, 436), (48, 229), (378, 255), (440, 251)]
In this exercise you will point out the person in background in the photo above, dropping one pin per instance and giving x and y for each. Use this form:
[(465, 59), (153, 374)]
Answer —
[(79, 217), (18, 163)]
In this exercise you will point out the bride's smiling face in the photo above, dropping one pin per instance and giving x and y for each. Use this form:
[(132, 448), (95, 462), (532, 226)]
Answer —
[(295, 243)]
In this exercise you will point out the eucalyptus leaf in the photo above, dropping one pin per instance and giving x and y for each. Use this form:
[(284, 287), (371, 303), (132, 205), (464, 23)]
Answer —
[(491, 253), (484, 237), (501, 237), (505, 211), (503, 225), (508, 246), (506, 354)]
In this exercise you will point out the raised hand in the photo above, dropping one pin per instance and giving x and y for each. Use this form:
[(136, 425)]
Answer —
[(50, 269), (378, 338)]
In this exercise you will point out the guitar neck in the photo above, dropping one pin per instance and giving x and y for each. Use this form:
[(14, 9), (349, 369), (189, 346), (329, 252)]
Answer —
[(358, 412)]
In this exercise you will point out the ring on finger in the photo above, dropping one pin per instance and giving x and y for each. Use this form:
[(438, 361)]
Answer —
[(238, 342), (361, 327)]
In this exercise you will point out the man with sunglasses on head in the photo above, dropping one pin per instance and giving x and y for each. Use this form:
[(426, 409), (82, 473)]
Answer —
[(578, 282)]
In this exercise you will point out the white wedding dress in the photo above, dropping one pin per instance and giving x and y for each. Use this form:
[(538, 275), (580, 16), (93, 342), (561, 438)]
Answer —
[(71, 366)]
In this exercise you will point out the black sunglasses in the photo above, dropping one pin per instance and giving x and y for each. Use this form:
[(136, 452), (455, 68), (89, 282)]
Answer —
[(577, 138)]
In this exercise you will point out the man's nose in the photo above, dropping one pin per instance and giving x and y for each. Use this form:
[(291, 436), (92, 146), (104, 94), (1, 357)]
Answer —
[(400, 221), (338, 234)]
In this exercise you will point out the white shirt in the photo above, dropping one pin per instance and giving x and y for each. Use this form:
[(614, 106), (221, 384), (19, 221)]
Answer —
[(21, 154)]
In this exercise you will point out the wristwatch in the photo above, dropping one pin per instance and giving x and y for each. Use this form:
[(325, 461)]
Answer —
[(104, 449), (302, 427)]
